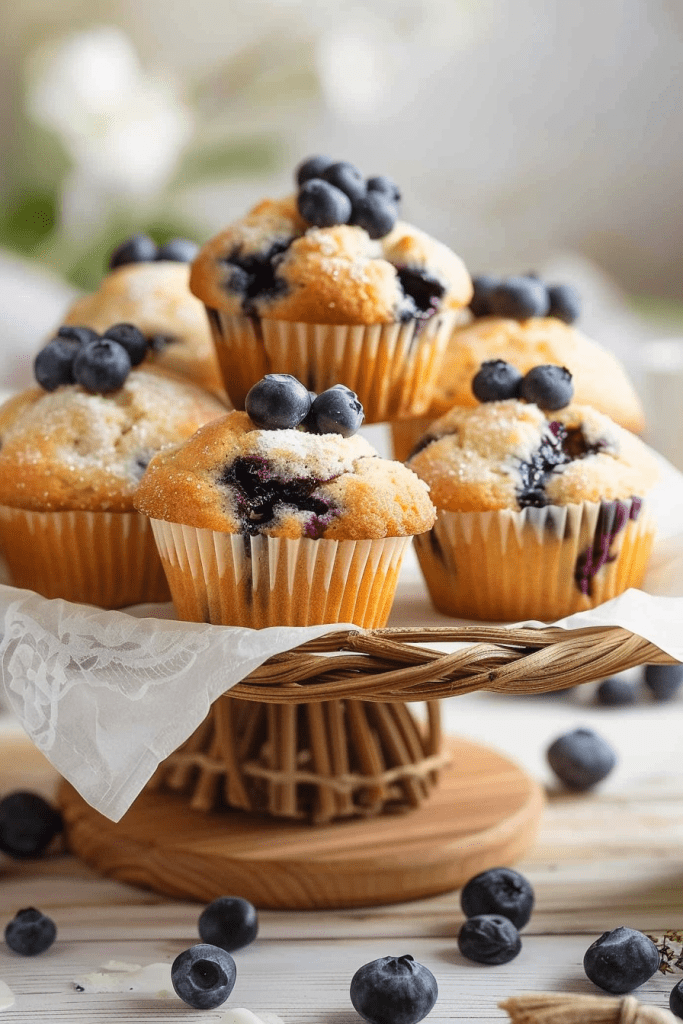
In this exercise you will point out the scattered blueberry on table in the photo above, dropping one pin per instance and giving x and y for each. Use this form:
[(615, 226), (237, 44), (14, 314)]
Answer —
[(229, 922), (676, 999), (663, 681), (501, 891), (489, 939), (621, 960), (30, 932), (28, 824), (203, 976), (581, 758), (615, 692), (393, 990)]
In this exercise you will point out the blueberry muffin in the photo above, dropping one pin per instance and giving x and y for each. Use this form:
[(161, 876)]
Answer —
[(282, 514), (328, 285), (542, 503), (535, 325), (148, 286), (72, 453)]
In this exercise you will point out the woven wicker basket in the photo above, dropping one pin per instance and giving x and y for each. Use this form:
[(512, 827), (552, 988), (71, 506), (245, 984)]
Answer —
[(318, 737)]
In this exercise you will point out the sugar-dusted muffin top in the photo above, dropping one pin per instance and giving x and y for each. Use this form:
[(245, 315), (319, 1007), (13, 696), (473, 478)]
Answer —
[(273, 264), (69, 449), (237, 478), (511, 454), (155, 297), (599, 378)]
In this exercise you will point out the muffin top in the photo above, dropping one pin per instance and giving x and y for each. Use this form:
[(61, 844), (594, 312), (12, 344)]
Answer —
[(511, 454), (155, 297), (273, 263), (70, 449), (308, 480), (599, 378)]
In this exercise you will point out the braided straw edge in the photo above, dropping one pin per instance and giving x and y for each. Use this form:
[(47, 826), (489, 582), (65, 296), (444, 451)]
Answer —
[(387, 664)]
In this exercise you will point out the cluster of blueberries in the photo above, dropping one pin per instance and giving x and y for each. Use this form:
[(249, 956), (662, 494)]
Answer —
[(281, 402), (523, 296), (142, 249), (549, 387), (99, 363), (497, 904), (337, 193)]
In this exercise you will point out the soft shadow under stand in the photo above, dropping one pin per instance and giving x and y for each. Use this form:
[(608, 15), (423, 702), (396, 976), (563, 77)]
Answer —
[(311, 784)]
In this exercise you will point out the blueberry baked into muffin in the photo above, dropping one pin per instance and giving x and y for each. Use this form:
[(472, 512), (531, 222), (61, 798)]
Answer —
[(542, 503), (72, 452), (282, 514), (527, 323), (148, 286), (327, 285)]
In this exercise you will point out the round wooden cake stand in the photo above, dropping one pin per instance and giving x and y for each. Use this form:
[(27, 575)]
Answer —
[(484, 813)]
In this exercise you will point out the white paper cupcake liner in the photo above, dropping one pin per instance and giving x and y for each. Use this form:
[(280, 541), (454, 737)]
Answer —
[(236, 580), (538, 563), (107, 559), (393, 368)]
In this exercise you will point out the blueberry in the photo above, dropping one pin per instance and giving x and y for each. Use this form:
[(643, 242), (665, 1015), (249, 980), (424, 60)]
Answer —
[(101, 366), (131, 338), (278, 402), (375, 213), (615, 692), (385, 186), (489, 939), (663, 681), (676, 999), (137, 249), (30, 932), (178, 250), (77, 335), (581, 758), (499, 891), (27, 824), (565, 302), (54, 364), (203, 976), (393, 990), (323, 205), (346, 177), (495, 381), (483, 286), (313, 167), (621, 960), (229, 922), (336, 411), (519, 298), (550, 387)]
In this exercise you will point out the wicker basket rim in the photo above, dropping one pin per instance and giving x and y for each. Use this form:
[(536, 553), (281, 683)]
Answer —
[(389, 664)]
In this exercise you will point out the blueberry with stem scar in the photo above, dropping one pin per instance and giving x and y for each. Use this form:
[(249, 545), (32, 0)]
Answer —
[(549, 387), (203, 976), (278, 402), (335, 411), (489, 939), (393, 990), (30, 932), (102, 366), (621, 960), (499, 891), (496, 381)]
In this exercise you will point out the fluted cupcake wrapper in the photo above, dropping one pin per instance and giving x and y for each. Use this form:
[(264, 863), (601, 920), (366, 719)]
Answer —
[(236, 580), (393, 368), (107, 559), (538, 563)]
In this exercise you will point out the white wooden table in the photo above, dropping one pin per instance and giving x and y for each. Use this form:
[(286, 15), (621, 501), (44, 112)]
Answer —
[(603, 860)]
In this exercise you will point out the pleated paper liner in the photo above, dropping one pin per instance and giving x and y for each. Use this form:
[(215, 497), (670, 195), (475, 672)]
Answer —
[(539, 563), (237, 580), (107, 559), (393, 368)]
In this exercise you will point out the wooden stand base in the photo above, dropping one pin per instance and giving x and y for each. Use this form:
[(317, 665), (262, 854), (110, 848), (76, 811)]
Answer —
[(484, 813)]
